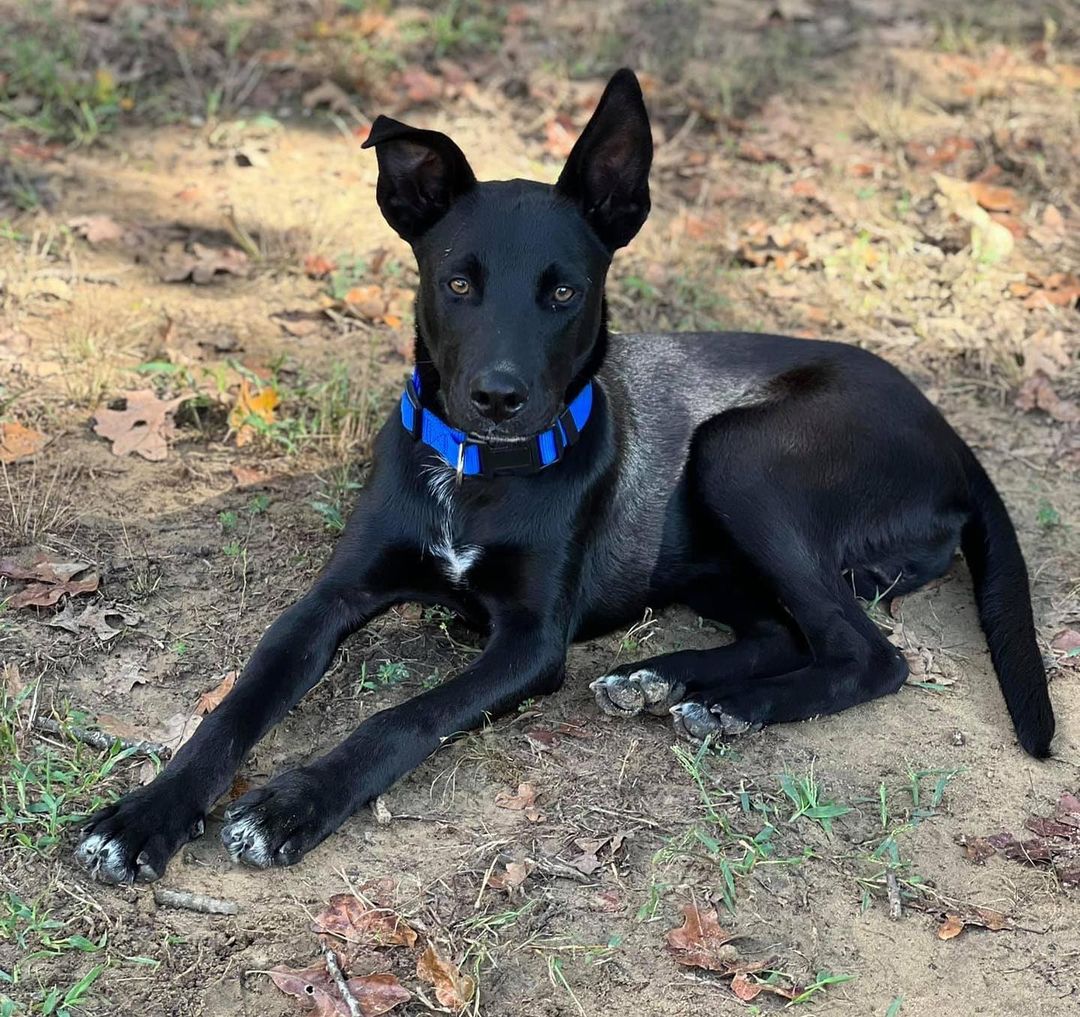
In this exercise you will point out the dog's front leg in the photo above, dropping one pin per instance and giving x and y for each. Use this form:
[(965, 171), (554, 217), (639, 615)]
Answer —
[(136, 837), (279, 823)]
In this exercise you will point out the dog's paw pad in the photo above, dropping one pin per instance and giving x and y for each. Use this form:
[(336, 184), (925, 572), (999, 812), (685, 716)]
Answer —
[(694, 722), (643, 691), (105, 859), (247, 838)]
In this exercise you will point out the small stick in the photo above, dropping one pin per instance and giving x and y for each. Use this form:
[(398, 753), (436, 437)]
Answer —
[(343, 986), (895, 903), (194, 902), (102, 741)]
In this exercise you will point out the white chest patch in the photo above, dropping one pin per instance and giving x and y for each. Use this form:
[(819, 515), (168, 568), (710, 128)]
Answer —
[(457, 557)]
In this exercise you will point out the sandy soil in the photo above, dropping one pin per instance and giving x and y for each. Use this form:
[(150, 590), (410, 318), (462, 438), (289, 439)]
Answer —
[(794, 191)]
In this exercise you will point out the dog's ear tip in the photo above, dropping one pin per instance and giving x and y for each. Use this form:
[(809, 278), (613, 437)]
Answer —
[(382, 129)]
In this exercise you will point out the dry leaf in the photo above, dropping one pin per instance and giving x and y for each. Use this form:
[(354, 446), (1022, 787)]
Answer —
[(348, 926), (452, 988), (210, 701), (1067, 642), (990, 241), (200, 263), (327, 94), (17, 441), (951, 927), (1045, 351), (1038, 394), (260, 405), (524, 800), (10, 680), (143, 426), (419, 85), (47, 581), (97, 229), (367, 300), (318, 993), (995, 199), (748, 990), (95, 617), (316, 266), (701, 943)]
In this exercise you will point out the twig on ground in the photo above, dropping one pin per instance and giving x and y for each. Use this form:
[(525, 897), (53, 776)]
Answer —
[(101, 740), (194, 902), (896, 907), (343, 986)]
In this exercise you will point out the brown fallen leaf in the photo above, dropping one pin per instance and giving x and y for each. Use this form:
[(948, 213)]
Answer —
[(985, 918), (1047, 352), (210, 701), (10, 680), (368, 300), (511, 876), (1036, 393), (317, 266), (748, 990), (47, 580), (252, 406), (951, 927), (319, 995), (250, 476), (97, 229), (995, 199), (100, 618), (523, 800), (327, 94), (144, 425), (452, 988), (200, 263), (347, 919), (419, 86), (701, 943), (18, 441), (1067, 643)]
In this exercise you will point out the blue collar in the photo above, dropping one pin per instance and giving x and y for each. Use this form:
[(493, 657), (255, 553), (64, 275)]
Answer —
[(478, 459)]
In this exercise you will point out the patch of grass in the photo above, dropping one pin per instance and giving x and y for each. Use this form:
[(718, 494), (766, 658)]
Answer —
[(46, 788), (334, 503), (735, 852), (806, 795), (1047, 516), (50, 86)]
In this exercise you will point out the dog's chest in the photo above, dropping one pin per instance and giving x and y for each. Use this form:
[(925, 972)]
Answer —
[(456, 556)]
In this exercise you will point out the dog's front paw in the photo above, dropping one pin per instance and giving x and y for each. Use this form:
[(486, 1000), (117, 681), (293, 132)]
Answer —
[(277, 824), (641, 691), (135, 838), (695, 722)]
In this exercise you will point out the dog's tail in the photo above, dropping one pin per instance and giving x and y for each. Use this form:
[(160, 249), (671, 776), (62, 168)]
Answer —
[(1004, 599)]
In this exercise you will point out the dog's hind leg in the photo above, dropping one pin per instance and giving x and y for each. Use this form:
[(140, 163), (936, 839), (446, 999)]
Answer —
[(763, 647)]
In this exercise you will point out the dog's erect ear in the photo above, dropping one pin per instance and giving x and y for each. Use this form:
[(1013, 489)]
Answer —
[(607, 174), (421, 173)]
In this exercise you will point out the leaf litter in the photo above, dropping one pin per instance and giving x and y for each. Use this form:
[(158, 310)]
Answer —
[(48, 580), (700, 942), (144, 425), (1055, 844)]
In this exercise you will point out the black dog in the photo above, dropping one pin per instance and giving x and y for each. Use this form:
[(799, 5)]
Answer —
[(550, 481)]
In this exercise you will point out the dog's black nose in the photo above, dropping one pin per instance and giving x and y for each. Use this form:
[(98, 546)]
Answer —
[(498, 395)]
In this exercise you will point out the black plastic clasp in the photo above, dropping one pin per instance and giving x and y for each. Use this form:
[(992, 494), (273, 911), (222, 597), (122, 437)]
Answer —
[(499, 460)]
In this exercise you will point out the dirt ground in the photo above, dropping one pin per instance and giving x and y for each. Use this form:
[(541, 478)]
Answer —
[(185, 208)]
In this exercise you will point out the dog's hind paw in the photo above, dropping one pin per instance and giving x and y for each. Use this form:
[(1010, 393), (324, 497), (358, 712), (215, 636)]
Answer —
[(277, 824), (694, 722), (642, 691)]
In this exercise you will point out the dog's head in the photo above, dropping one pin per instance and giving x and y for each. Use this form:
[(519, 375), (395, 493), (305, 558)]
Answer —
[(510, 307)]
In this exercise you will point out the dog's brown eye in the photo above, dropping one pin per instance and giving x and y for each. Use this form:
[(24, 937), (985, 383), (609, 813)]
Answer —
[(563, 294), (459, 286)]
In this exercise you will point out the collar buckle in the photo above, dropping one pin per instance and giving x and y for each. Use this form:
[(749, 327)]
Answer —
[(523, 457)]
